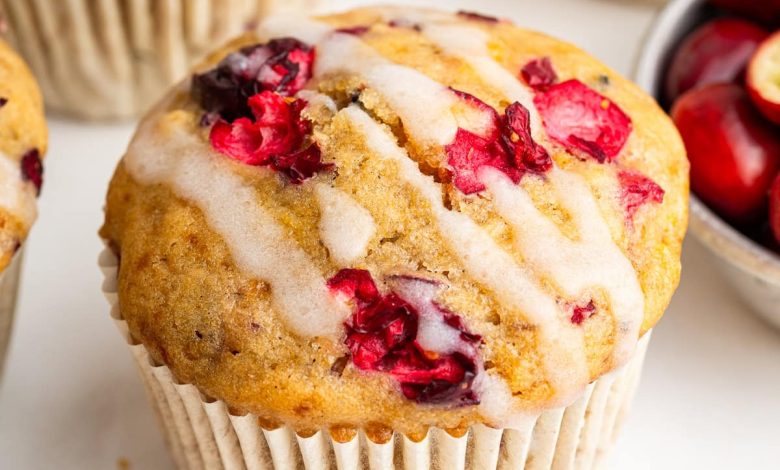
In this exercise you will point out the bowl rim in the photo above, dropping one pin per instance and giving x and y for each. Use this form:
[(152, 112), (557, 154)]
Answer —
[(719, 236)]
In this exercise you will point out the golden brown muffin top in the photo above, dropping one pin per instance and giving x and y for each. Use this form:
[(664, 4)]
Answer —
[(23, 140), (400, 218)]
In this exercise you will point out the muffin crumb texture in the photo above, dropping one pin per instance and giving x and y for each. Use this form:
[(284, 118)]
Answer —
[(396, 219)]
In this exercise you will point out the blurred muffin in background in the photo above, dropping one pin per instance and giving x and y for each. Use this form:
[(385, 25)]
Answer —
[(111, 59), (23, 140)]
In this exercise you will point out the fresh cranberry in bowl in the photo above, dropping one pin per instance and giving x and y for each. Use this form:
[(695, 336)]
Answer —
[(763, 78), (717, 52), (746, 253), (734, 152)]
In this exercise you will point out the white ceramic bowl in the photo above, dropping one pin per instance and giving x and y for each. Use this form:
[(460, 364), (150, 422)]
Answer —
[(753, 270)]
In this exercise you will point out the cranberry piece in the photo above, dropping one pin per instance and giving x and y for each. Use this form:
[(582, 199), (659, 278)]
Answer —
[(492, 132), (281, 65), (583, 120), (3, 101), (539, 74), (580, 313), (354, 284), (32, 169), (774, 208), (240, 140), (301, 165), (636, 190), (381, 336), (516, 134), (470, 15), (734, 152), (354, 30), (277, 128), (275, 137), (470, 152), (506, 145)]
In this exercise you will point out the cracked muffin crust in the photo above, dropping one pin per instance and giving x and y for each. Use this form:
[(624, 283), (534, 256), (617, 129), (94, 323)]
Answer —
[(396, 219), (23, 140)]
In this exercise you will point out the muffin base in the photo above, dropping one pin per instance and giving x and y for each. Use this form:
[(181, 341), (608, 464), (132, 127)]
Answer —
[(9, 287), (202, 434)]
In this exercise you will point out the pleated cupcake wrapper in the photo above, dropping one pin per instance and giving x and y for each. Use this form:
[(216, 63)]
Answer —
[(203, 434), (103, 59), (9, 287)]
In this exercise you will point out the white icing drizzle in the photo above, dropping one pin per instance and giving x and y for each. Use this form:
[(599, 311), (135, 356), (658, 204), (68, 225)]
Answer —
[(561, 343), (471, 45), (576, 266), (16, 196), (497, 404), (345, 226), (458, 39), (314, 99), (404, 88), (433, 333), (259, 245)]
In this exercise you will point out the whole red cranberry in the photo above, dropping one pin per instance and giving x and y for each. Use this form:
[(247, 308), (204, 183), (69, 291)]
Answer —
[(734, 152), (716, 52)]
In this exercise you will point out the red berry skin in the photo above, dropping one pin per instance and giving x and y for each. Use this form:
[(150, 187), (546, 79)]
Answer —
[(763, 11), (583, 120), (774, 208), (763, 78), (734, 152), (716, 52)]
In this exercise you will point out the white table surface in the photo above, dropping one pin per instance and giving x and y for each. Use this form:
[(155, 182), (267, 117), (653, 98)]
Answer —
[(710, 396)]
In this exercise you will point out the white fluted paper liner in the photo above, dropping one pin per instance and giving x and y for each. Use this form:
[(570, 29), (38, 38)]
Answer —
[(103, 59), (202, 434), (9, 286)]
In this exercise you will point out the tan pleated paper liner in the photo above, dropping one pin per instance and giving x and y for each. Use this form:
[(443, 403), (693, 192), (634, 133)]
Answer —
[(103, 59), (202, 434), (9, 287)]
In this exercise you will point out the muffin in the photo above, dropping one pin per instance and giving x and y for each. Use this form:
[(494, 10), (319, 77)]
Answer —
[(395, 236), (22, 146), (113, 59)]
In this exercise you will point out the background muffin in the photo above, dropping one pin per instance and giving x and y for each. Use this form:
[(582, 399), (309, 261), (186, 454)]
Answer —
[(112, 59), (398, 220), (22, 146)]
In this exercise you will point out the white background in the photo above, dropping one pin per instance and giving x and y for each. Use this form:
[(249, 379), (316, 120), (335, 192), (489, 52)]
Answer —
[(710, 397)]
